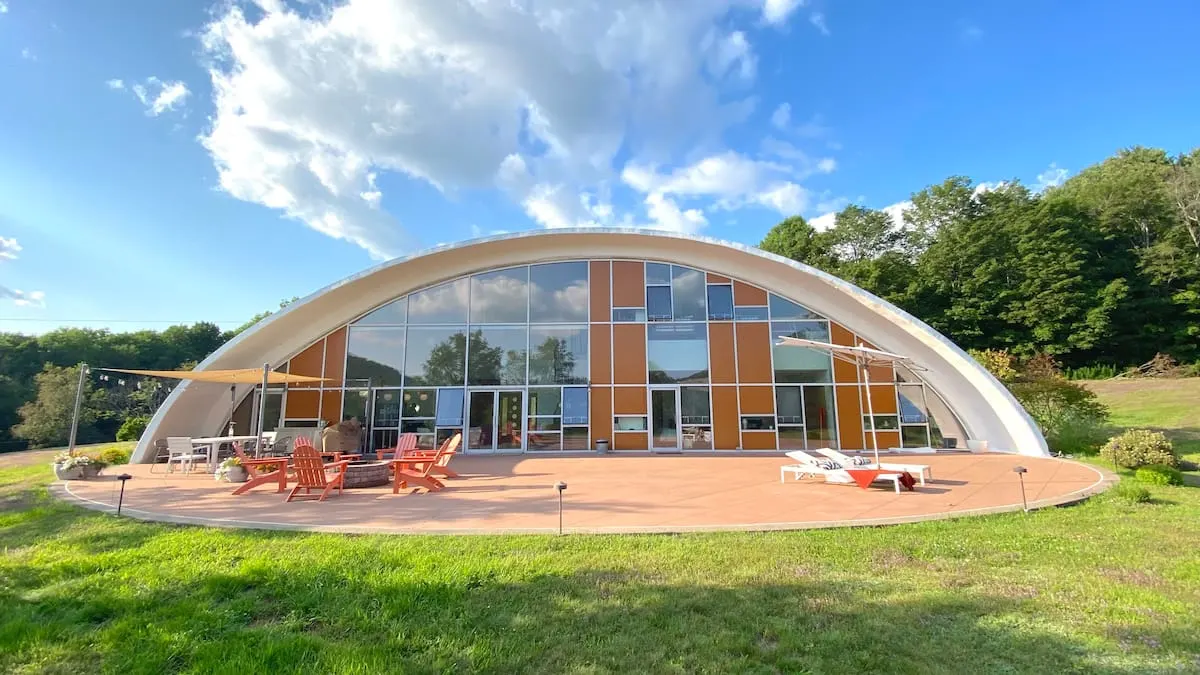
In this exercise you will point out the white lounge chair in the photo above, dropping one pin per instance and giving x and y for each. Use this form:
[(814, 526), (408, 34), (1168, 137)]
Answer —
[(923, 471), (811, 466), (180, 451)]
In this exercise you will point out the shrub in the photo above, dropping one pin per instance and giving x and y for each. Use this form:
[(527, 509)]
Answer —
[(133, 427), (998, 362), (1187, 465), (1159, 474), (1139, 447), (113, 456), (1077, 435), (1061, 408), (1132, 493)]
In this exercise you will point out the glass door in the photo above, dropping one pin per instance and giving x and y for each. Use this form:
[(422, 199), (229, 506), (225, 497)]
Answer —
[(495, 420), (664, 418), (510, 407), (481, 422)]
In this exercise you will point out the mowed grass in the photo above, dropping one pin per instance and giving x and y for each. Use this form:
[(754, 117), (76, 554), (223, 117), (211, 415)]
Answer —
[(1104, 587), (1170, 406)]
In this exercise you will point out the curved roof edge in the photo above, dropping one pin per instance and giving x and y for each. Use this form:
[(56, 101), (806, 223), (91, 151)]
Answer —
[(1028, 439)]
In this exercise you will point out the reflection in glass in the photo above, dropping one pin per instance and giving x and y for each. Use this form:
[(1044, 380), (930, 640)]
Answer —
[(677, 352), (720, 303), (786, 309), (575, 405), (420, 403), (694, 401), (558, 355), (393, 313), (882, 423), (481, 418), (758, 422), (658, 274), (628, 315), (450, 408), (374, 357), (387, 408), (791, 438), (789, 405), (509, 408), (801, 364), (496, 356), (575, 438), (545, 401), (912, 404), (435, 357), (819, 419), (664, 418), (274, 409), (354, 405), (750, 313), (501, 296), (544, 441), (915, 436), (445, 303), (629, 423), (658, 303), (687, 285), (558, 293)]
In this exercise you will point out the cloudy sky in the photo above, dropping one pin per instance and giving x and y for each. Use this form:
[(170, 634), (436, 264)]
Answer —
[(180, 161)]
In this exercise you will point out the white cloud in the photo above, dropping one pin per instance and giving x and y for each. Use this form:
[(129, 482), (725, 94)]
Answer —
[(306, 106), (896, 211), (3, 7), (28, 54), (1053, 176), (818, 19), (970, 33), (823, 222), (9, 250), (782, 117), (778, 11), (159, 96), (115, 84)]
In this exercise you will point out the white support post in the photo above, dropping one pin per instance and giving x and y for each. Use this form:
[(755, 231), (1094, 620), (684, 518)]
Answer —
[(262, 404), (866, 371), (83, 371)]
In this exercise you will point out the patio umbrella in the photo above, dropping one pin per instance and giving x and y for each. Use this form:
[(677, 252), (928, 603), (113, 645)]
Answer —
[(863, 358)]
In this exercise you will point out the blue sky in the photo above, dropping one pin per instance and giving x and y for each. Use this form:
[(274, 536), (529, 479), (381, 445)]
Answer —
[(180, 161)]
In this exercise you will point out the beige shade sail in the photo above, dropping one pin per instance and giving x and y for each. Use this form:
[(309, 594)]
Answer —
[(239, 376)]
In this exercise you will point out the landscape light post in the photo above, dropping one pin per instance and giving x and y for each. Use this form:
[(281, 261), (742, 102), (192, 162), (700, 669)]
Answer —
[(561, 487), (1020, 471), (121, 500)]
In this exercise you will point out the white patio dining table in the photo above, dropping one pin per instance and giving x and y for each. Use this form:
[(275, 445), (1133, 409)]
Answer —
[(214, 444)]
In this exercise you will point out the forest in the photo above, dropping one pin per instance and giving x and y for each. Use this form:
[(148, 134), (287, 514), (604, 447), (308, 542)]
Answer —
[(1102, 269)]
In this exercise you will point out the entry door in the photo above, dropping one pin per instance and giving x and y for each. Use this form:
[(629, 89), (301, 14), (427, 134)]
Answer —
[(664, 418), (494, 421)]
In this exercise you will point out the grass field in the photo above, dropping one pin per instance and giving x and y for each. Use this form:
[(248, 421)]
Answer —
[(1105, 587), (1170, 406)]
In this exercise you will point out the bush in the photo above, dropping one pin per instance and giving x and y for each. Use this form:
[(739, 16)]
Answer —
[(114, 456), (1069, 414), (1158, 474), (1187, 465), (1077, 435), (1139, 447), (133, 427), (1132, 493)]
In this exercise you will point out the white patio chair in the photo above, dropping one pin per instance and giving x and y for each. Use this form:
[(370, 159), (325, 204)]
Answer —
[(812, 466), (180, 451), (921, 470)]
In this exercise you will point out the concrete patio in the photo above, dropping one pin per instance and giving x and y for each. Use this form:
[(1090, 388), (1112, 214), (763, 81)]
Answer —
[(614, 493)]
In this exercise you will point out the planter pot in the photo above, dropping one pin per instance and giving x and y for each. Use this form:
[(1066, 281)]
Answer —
[(73, 473), (237, 474), (602, 446), (91, 470)]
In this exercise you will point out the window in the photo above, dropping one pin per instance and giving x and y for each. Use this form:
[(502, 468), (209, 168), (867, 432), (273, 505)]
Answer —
[(758, 422), (545, 401), (629, 423), (558, 355), (274, 409), (628, 315), (446, 303), (786, 309), (820, 422), (912, 404), (575, 438), (658, 274), (688, 293), (558, 293), (501, 296), (801, 364), (418, 415), (882, 423), (791, 438), (391, 314), (387, 408), (750, 313), (556, 415), (720, 303), (677, 352), (915, 436), (695, 418), (354, 405), (450, 408), (575, 405), (435, 357), (658, 303), (496, 356), (789, 405), (375, 357)]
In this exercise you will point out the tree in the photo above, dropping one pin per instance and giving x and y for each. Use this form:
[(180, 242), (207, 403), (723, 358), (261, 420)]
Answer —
[(553, 363), (796, 239), (258, 317), (46, 421)]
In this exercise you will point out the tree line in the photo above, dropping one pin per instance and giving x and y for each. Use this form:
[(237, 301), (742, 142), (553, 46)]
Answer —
[(1104, 268)]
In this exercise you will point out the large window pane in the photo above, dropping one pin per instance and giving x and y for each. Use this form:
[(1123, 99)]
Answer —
[(501, 296), (912, 404), (354, 405), (688, 287), (446, 303), (789, 406), (450, 408), (435, 357), (558, 293), (677, 352), (374, 357), (750, 313), (545, 401), (915, 437), (387, 408), (819, 419), (496, 356), (658, 303), (801, 364), (575, 405), (395, 312), (558, 355), (694, 401), (419, 403), (786, 309), (658, 274), (720, 303)]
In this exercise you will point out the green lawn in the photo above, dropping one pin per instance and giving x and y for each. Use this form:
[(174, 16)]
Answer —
[(1170, 406), (1101, 587)]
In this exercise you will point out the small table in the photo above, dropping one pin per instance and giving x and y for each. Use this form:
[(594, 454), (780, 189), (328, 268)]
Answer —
[(214, 442)]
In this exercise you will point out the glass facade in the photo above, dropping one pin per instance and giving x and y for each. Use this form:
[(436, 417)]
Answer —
[(687, 361)]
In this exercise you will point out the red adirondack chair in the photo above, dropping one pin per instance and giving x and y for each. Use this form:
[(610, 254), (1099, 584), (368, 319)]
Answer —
[(311, 474), (418, 470), (259, 475), (405, 444), (442, 466)]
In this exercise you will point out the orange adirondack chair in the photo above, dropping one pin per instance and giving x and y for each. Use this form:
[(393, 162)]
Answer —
[(442, 466), (311, 474), (404, 445), (258, 475), (418, 470)]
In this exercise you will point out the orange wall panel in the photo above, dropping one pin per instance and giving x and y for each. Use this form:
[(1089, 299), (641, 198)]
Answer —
[(754, 352), (308, 363), (842, 370), (759, 440), (601, 354), (757, 400), (849, 422), (745, 294), (717, 279), (335, 357), (302, 404), (628, 284), (601, 413), (726, 425), (722, 368), (630, 440), (883, 399), (629, 345), (600, 290), (331, 406), (887, 439), (629, 400), (879, 373)]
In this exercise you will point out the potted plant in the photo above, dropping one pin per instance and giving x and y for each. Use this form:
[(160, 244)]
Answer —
[(232, 471), (75, 467)]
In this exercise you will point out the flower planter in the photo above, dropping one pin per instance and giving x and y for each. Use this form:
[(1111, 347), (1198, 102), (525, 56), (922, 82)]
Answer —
[(73, 473), (237, 474)]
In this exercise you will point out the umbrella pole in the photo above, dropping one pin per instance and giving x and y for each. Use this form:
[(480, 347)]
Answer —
[(866, 371), (232, 406), (262, 404)]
